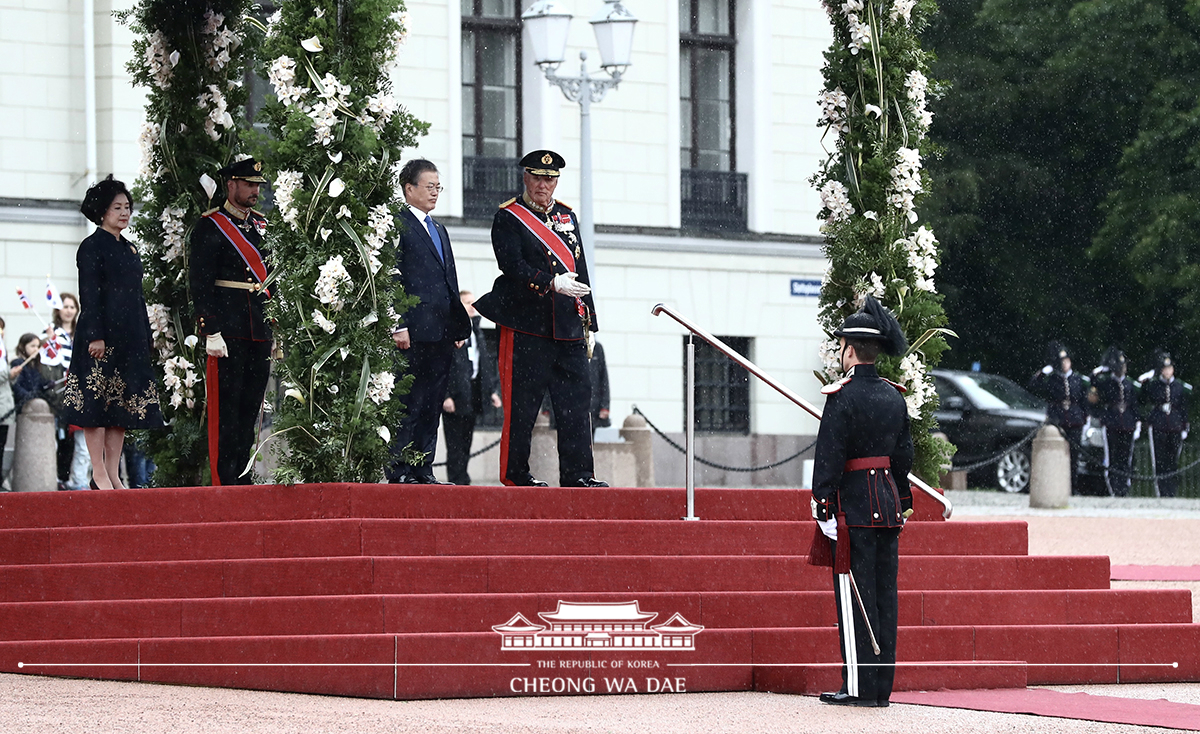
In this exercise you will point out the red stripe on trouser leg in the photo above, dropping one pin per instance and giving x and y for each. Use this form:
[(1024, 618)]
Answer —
[(213, 404), (504, 362)]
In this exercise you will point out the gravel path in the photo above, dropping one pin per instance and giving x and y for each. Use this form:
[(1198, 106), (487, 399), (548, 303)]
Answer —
[(1130, 532)]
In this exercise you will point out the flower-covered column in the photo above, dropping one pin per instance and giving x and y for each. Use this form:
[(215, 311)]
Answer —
[(337, 137), (191, 56), (874, 113)]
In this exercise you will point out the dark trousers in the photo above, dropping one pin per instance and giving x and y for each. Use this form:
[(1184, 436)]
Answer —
[(529, 366), (460, 430), (1118, 451), (429, 364), (1167, 446), (233, 411), (874, 562)]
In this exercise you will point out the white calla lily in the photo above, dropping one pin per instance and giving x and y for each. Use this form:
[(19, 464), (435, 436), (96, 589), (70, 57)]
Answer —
[(874, 110), (335, 157), (336, 187), (294, 393), (384, 433), (210, 186), (312, 45), (191, 340)]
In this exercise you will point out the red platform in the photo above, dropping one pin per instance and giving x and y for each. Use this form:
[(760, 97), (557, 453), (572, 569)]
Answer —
[(394, 591)]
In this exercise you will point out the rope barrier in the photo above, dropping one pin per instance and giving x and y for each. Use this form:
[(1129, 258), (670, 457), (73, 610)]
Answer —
[(722, 467), (480, 452), (1002, 453), (1131, 475)]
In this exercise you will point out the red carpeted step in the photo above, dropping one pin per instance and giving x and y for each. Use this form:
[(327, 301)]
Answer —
[(107, 659), (1155, 653), (352, 537), (1057, 606), (515, 574), (1055, 653)]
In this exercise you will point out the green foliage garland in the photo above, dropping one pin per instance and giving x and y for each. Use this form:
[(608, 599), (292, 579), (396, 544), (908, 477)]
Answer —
[(336, 140), (191, 55), (874, 106)]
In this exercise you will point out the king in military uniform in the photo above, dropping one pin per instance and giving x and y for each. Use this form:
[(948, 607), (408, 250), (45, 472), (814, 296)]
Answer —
[(228, 268), (543, 305), (861, 499)]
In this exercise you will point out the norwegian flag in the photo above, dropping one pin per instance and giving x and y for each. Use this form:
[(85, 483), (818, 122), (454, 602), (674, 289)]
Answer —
[(52, 298), (24, 300), (50, 351)]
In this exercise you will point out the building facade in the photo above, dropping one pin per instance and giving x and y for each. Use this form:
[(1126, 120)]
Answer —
[(701, 163)]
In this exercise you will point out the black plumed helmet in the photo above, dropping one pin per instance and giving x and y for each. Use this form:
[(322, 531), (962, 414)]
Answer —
[(1056, 352), (876, 323), (1113, 358)]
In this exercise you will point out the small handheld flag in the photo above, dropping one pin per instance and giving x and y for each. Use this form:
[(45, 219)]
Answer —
[(24, 300), (52, 298)]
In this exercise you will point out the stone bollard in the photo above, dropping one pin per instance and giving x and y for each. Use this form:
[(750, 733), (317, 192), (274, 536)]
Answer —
[(35, 467), (1050, 474), (636, 433), (543, 451)]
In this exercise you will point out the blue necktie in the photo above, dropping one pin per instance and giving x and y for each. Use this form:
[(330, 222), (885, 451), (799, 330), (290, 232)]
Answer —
[(437, 240)]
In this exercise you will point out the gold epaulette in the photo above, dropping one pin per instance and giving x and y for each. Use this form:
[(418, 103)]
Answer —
[(214, 210), (255, 211), (508, 202), (562, 205)]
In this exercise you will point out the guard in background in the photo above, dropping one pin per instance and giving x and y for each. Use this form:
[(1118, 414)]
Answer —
[(861, 500), (228, 268), (1065, 392), (1117, 400), (543, 305), (1165, 400)]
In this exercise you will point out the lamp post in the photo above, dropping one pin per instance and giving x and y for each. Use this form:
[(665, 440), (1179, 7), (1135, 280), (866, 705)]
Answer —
[(548, 23)]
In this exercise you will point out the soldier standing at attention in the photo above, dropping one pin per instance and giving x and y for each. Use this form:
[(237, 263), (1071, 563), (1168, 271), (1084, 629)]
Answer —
[(861, 500), (543, 305), (1065, 392), (1117, 398), (227, 272), (1165, 398)]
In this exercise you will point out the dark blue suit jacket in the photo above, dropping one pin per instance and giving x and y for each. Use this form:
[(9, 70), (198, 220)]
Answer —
[(440, 314)]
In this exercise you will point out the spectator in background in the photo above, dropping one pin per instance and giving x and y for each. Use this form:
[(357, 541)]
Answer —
[(27, 380), (73, 461), (473, 379), (8, 409)]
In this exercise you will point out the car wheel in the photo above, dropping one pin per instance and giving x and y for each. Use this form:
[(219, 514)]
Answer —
[(1012, 471)]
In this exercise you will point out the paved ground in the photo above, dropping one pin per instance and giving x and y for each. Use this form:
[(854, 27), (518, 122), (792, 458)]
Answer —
[(1152, 532)]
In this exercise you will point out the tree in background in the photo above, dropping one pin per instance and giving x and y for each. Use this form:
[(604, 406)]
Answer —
[(191, 55), (336, 139), (1066, 194), (874, 111)]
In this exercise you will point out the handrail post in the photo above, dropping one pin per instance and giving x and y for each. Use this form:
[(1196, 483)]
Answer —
[(723, 348), (689, 469)]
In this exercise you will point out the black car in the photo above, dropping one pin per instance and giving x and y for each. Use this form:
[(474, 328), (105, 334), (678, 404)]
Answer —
[(982, 414)]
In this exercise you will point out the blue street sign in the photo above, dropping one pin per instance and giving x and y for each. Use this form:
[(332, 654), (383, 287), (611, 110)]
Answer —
[(806, 288)]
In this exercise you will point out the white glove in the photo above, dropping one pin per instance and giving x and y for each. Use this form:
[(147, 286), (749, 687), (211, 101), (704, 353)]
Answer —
[(1183, 436), (829, 527), (215, 345), (1137, 431), (568, 286), (1047, 370)]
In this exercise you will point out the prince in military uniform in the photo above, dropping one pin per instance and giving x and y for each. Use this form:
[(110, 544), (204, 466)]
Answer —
[(861, 500), (543, 305), (227, 267), (1165, 398)]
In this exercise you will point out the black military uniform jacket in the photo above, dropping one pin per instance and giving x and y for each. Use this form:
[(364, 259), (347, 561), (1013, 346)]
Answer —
[(1065, 395), (235, 313), (1166, 404), (865, 417), (1118, 398), (522, 297)]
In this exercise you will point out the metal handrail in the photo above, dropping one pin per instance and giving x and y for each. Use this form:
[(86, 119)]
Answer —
[(812, 410)]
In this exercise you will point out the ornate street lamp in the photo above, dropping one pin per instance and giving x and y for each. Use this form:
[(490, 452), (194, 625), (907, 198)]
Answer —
[(548, 22)]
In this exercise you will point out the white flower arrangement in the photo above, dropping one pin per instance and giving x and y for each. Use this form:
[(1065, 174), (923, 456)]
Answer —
[(922, 258), (330, 282), (159, 61), (918, 382), (834, 105), (282, 76), (906, 181), (379, 219), (379, 109), (148, 141), (223, 41), (218, 113), (830, 353), (161, 329), (180, 378), (902, 10), (287, 183), (326, 325), (918, 87), (380, 387), (860, 34), (173, 229), (835, 197)]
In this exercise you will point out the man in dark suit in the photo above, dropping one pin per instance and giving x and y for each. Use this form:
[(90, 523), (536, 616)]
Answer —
[(543, 304), (473, 379), (429, 332), (227, 271)]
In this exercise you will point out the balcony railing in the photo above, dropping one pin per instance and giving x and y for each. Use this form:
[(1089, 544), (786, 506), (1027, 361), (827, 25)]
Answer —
[(488, 183), (714, 200)]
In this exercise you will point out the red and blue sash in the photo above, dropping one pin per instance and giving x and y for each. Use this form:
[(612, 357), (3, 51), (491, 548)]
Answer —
[(248, 252), (545, 235)]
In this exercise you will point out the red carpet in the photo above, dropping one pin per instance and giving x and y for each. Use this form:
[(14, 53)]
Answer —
[(1156, 573), (1042, 702)]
